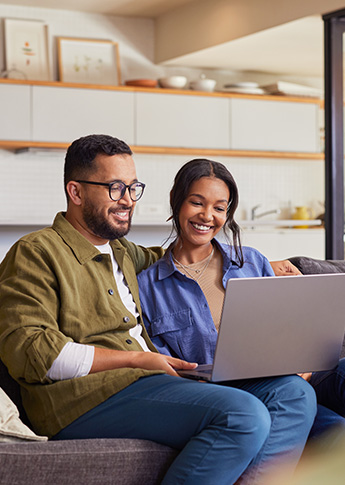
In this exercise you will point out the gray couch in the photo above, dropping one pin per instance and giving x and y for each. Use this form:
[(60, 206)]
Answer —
[(99, 461), (94, 461)]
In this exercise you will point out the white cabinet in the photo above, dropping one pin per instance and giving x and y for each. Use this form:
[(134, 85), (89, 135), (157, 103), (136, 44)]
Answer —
[(274, 125), (50, 113), (277, 244), (15, 112), (173, 120), (64, 114)]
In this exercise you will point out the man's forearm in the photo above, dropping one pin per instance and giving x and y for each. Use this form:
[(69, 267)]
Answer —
[(108, 359)]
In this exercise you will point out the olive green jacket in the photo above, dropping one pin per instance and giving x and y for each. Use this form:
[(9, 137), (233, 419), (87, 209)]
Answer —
[(55, 287)]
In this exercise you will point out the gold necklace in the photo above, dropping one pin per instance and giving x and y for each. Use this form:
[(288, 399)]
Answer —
[(199, 271)]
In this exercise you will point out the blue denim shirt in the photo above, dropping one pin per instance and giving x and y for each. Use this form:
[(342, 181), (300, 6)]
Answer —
[(175, 310)]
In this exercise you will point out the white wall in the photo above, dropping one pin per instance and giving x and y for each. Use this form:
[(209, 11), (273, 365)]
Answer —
[(273, 183), (135, 37)]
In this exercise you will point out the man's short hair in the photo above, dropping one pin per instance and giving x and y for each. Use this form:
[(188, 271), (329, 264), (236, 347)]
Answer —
[(82, 153)]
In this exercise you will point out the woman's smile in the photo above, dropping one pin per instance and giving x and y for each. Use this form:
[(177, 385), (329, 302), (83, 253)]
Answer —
[(201, 227)]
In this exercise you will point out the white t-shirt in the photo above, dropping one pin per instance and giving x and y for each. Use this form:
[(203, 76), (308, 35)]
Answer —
[(75, 360)]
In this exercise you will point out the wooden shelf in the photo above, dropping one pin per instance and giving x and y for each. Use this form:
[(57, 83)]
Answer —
[(188, 92), (14, 145), (21, 145)]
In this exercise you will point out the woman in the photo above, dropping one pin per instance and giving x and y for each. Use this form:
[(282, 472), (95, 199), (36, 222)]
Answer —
[(182, 296)]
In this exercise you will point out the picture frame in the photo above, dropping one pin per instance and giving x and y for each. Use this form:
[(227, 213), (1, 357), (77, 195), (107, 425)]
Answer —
[(88, 61), (26, 50)]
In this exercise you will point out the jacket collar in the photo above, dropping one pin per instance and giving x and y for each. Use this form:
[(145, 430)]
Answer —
[(83, 250), (166, 265)]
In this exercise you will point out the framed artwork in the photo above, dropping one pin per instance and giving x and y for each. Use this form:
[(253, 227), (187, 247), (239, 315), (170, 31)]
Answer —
[(88, 61), (26, 49)]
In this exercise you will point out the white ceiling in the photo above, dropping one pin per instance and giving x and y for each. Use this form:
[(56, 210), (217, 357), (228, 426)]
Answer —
[(130, 8), (295, 48)]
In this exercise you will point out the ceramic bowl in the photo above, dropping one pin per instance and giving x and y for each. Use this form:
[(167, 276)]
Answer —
[(203, 85), (174, 82)]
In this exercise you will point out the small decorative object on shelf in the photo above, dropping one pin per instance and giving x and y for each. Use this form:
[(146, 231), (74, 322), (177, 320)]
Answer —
[(243, 88), (88, 61), (26, 48), (203, 84), (302, 213), (142, 83), (292, 89), (173, 82)]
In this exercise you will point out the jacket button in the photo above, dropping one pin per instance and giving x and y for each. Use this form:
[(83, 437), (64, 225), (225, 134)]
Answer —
[(129, 341), (126, 319), (98, 258), (110, 291)]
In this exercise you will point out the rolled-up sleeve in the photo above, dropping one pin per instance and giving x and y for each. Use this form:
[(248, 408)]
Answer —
[(30, 339)]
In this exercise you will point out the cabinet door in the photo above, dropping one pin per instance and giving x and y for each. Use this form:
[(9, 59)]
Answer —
[(282, 244), (174, 120), (64, 114), (274, 125), (15, 110)]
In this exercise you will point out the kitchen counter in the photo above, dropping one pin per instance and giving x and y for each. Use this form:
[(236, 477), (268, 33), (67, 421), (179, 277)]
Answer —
[(280, 223)]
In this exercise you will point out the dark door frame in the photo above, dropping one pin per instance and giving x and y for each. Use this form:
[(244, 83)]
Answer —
[(334, 28)]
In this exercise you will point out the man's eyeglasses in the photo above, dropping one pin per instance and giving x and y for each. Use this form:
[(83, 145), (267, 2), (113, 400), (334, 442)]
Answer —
[(118, 189)]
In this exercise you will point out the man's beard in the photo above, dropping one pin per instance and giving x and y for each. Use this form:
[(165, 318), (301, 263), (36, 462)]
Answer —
[(101, 227)]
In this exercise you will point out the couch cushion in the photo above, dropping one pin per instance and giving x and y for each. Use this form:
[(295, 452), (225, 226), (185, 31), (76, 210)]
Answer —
[(318, 266), (94, 461)]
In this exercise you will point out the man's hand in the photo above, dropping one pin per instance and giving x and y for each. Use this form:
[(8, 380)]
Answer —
[(154, 361), (284, 268), (107, 359)]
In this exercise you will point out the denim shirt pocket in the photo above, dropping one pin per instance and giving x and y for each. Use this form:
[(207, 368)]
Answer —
[(172, 329), (178, 333), (171, 322)]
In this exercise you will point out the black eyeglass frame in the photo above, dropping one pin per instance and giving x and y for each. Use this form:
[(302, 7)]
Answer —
[(123, 190)]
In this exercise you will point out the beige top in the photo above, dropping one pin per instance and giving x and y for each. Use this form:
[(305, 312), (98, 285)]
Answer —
[(210, 281)]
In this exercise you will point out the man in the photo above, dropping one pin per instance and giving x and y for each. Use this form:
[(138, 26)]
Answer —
[(71, 335)]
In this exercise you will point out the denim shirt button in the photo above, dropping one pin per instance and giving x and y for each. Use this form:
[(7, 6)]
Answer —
[(126, 319), (110, 291)]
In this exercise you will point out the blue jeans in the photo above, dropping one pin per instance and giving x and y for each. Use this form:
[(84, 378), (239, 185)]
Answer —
[(330, 391), (221, 431)]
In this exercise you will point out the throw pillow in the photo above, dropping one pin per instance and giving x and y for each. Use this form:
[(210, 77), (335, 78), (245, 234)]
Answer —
[(11, 427)]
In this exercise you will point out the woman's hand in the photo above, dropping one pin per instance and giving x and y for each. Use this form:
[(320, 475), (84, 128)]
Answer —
[(306, 376)]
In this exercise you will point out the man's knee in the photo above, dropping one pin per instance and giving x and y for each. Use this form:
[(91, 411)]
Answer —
[(252, 423), (259, 424)]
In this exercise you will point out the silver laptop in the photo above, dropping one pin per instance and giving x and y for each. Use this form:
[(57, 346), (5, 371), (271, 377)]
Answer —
[(278, 325)]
